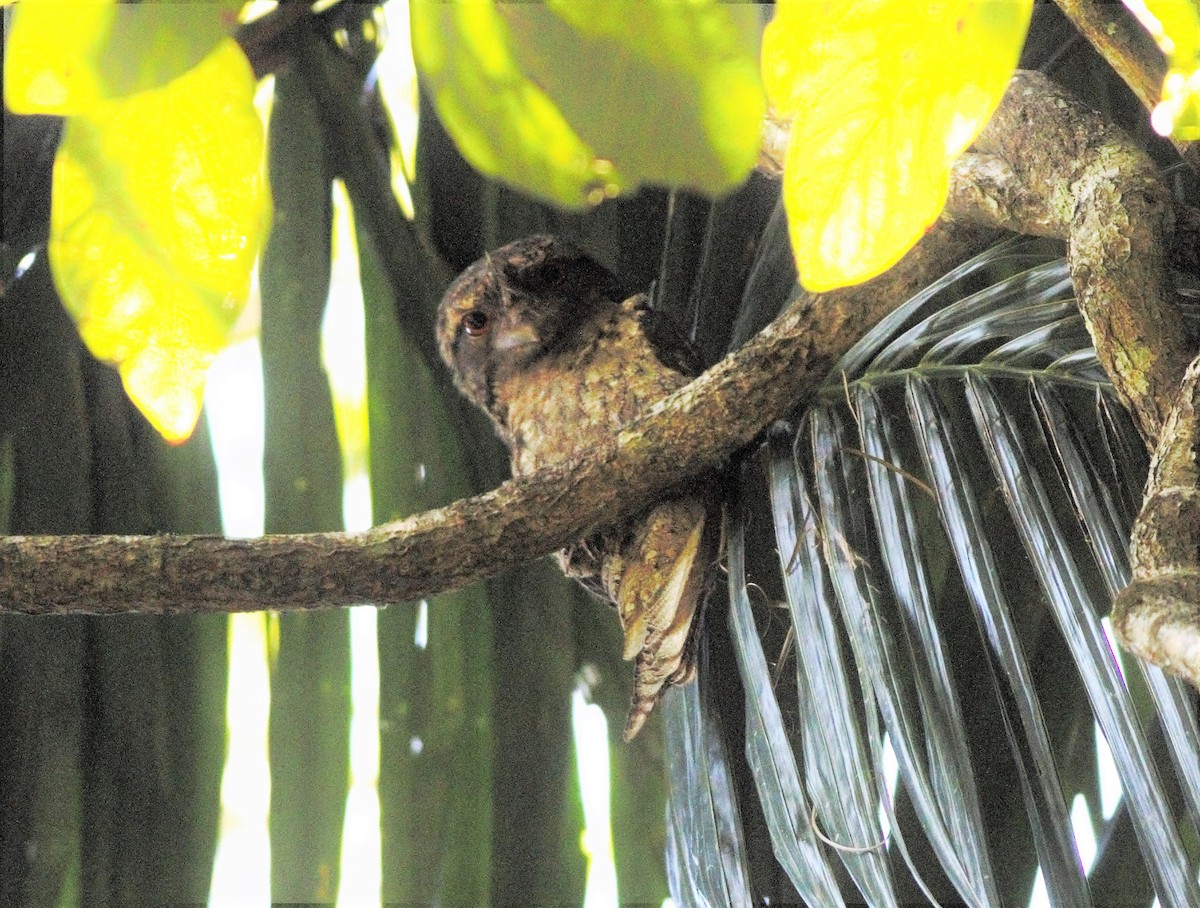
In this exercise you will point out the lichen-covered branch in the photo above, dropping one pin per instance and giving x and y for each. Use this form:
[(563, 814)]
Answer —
[(985, 188), (1158, 615), (1048, 165), (692, 431)]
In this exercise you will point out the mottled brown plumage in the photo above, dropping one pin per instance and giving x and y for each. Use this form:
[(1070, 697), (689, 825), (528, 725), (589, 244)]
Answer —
[(538, 337)]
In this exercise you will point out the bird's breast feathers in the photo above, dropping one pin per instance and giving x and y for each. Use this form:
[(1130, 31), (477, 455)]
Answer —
[(560, 407)]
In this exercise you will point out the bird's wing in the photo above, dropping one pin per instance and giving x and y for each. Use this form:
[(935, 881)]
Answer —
[(666, 568)]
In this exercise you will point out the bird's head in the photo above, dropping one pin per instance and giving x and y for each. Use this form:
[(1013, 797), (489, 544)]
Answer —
[(513, 307)]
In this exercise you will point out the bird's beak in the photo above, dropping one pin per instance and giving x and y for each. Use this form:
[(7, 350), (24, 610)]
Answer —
[(514, 337)]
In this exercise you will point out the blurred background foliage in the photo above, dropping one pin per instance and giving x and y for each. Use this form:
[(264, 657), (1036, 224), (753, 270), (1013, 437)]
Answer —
[(918, 563)]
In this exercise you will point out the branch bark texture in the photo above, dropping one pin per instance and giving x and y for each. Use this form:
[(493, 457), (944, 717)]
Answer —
[(1116, 35), (1157, 616), (1128, 48)]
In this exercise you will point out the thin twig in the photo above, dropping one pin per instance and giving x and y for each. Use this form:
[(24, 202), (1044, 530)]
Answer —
[(900, 471), (847, 849)]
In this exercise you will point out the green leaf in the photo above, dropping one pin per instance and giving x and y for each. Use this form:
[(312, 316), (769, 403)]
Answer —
[(955, 505), (671, 96), (64, 57)]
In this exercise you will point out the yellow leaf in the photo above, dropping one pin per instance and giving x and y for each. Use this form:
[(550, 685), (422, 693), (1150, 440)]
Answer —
[(64, 56), (883, 96), (1175, 27), (159, 207)]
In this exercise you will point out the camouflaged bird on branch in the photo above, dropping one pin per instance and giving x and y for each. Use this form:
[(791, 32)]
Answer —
[(537, 335)]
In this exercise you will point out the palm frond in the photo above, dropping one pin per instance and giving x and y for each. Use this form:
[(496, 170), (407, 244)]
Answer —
[(707, 860), (950, 517), (768, 744)]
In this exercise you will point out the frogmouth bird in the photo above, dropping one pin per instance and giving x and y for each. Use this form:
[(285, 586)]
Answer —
[(539, 336)]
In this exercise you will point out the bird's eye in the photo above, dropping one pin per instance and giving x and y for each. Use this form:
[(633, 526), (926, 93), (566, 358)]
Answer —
[(475, 322)]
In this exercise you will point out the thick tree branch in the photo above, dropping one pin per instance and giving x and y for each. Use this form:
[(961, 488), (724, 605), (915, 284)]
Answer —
[(288, 36), (1048, 165), (268, 42), (690, 432), (985, 187), (1158, 615), (1118, 37)]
